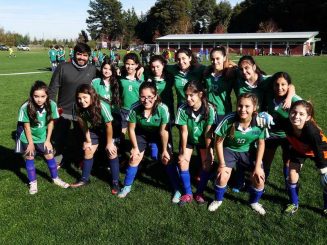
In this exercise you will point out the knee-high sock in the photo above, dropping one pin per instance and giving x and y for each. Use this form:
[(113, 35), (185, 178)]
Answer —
[(285, 172), (87, 167), (30, 168), (172, 172), (130, 175), (186, 180), (204, 177), (255, 194), (219, 192), (114, 167), (52, 165), (293, 193)]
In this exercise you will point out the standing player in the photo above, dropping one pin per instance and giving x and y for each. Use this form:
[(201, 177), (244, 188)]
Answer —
[(35, 125), (53, 57), (275, 102), (236, 136), (148, 120), (307, 141), (61, 54), (95, 119), (195, 118)]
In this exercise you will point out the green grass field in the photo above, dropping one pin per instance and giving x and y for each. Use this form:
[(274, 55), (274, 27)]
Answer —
[(91, 215)]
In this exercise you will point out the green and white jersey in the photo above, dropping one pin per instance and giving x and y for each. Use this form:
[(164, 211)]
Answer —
[(151, 124), (129, 91), (181, 78), (219, 93), (242, 138), (101, 89), (39, 131), (263, 85), (106, 116), (52, 55), (196, 124), (275, 109), (61, 55)]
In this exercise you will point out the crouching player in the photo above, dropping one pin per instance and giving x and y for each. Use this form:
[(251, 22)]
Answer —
[(148, 123), (236, 136), (35, 124), (307, 141)]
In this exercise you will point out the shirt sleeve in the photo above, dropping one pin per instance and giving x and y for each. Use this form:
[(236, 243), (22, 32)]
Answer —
[(212, 116), (181, 117), (165, 114), (318, 143), (54, 84), (54, 110), (131, 116), (22, 114), (106, 112)]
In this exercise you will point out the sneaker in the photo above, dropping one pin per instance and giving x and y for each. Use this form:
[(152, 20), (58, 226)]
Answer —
[(199, 199), (115, 188), (214, 205), (291, 209), (123, 192), (33, 187), (79, 184), (236, 190), (258, 208), (57, 181), (187, 198), (176, 198)]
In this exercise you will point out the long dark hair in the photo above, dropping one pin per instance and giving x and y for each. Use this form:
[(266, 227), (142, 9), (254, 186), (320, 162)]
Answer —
[(197, 87), (281, 74), (94, 110), (227, 63), (309, 108), (151, 85), (249, 59), (135, 58), (114, 85), (189, 53), (160, 58), (32, 107)]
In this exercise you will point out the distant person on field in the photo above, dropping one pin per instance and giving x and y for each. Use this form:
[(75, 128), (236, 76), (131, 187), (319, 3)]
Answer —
[(53, 58), (61, 54), (11, 52)]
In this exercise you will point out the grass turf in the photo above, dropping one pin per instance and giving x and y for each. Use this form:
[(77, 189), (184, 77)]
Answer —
[(93, 215)]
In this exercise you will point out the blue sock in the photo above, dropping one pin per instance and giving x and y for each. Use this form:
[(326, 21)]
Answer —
[(30, 168), (255, 195), (293, 193), (172, 172), (325, 199), (154, 151), (114, 167), (220, 192), (130, 175), (186, 180), (204, 177), (52, 165), (87, 167)]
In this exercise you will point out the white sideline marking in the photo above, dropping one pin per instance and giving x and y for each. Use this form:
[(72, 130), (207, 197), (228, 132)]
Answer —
[(23, 73)]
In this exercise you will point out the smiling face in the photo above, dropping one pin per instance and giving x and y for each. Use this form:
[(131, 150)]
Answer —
[(299, 116), (281, 87), (82, 58), (148, 98), (40, 97), (217, 60), (193, 98), (245, 109), (106, 71), (84, 100), (157, 68), (183, 61), (131, 67), (248, 70)]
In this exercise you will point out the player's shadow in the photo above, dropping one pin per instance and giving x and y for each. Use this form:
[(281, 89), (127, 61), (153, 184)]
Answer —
[(44, 69)]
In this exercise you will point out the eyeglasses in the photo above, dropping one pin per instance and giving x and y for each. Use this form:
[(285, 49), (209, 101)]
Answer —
[(149, 98)]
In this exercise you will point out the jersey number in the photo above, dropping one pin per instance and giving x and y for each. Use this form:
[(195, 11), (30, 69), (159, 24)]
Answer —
[(240, 141), (130, 88)]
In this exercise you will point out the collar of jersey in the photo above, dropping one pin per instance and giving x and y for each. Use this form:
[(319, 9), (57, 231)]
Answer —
[(190, 112), (77, 66)]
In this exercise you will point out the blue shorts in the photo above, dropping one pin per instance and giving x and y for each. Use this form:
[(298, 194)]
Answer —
[(243, 159), (39, 148), (99, 137), (124, 114)]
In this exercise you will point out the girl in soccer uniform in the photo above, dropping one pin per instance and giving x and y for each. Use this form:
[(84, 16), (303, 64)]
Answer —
[(129, 86), (95, 119), (35, 124), (148, 121), (275, 102), (195, 118), (307, 141), (236, 136)]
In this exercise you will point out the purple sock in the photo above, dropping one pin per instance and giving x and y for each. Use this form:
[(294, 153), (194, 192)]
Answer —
[(255, 195), (186, 180), (219, 192), (293, 193), (52, 165), (30, 168)]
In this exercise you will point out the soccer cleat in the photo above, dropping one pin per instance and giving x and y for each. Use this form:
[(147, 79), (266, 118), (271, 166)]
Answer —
[(199, 199), (291, 209), (258, 208), (123, 192), (57, 181), (235, 190), (187, 198), (214, 205), (79, 184), (33, 187), (115, 189), (176, 198)]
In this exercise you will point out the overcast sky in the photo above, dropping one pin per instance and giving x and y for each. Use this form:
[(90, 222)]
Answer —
[(55, 19)]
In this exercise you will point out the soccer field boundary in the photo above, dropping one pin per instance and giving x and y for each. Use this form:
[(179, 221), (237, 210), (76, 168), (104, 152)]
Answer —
[(22, 73)]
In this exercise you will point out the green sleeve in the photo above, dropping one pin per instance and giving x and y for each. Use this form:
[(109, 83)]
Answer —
[(181, 117), (54, 110), (22, 114), (106, 112), (165, 114), (212, 116), (132, 116)]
